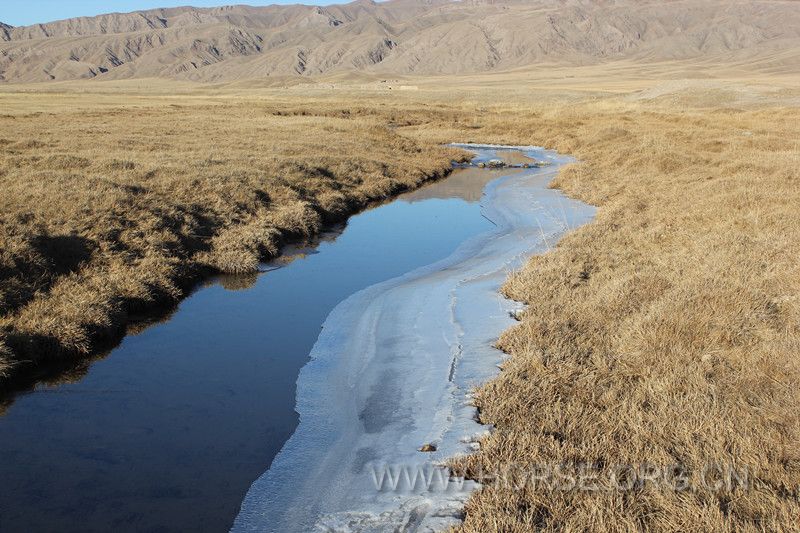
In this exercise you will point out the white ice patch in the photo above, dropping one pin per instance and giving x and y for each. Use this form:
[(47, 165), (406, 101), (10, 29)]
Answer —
[(393, 370)]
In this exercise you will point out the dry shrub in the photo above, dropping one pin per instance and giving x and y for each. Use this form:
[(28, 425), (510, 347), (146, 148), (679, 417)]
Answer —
[(296, 218), (116, 164), (334, 204)]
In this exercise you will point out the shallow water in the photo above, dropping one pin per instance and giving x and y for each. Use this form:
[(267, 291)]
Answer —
[(169, 430), (392, 370)]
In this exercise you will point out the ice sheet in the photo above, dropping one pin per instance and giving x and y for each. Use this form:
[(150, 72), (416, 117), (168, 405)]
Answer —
[(393, 369)]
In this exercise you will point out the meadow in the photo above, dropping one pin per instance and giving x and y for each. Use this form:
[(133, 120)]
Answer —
[(112, 213), (665, 332), (662, 335)]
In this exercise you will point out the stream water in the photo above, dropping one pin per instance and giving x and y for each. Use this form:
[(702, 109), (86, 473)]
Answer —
[(392, 372), (170, 429)]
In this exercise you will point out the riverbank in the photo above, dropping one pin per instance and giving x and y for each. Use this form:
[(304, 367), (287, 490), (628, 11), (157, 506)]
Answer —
[(112, 215), (168, 431), (659, 341)]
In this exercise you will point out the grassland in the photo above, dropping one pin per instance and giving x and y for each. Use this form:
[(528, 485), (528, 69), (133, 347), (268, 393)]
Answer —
[(109, 213), (665, 332)]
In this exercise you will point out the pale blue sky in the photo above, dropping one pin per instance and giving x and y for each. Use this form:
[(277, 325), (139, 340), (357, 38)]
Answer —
[(25, 12)]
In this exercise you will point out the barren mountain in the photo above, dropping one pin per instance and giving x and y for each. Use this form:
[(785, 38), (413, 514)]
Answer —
[(400, 37)]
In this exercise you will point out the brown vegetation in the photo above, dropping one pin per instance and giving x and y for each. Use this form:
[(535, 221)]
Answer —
[(107, 213), (664, 332)]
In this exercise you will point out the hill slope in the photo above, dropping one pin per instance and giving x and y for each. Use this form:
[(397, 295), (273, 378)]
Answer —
[(399, 37)]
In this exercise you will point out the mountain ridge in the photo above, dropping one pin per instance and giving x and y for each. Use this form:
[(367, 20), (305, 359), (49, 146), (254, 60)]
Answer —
[(396, 37)]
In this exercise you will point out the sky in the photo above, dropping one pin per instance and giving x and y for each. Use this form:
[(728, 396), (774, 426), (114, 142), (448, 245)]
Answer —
[(25, 12)]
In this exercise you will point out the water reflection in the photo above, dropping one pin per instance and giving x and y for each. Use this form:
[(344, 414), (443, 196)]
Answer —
[(169, 430), (466, 183)]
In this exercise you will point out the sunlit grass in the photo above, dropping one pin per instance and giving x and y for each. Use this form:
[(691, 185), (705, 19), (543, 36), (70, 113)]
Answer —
[(666, 331)]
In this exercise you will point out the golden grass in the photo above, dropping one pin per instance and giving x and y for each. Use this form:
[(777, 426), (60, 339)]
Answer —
[(108, 213), (665, 332)]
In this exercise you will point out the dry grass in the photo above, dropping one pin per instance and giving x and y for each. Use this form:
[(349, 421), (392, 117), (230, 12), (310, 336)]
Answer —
[(108, 213), (665, 332)]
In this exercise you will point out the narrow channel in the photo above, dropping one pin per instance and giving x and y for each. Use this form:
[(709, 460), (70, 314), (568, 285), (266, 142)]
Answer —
[(385, 399), (170, 429)]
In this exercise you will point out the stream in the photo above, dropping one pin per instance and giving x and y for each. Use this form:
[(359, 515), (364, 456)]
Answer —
[(386, 396), (187, 417)]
